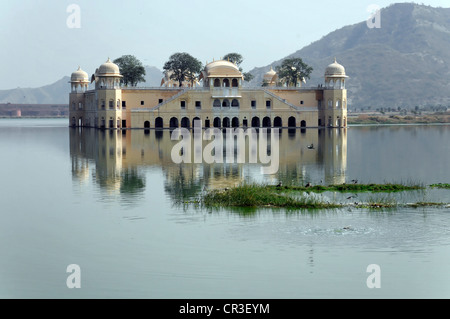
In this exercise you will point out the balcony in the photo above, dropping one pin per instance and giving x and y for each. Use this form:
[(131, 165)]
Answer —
[(225, 92)]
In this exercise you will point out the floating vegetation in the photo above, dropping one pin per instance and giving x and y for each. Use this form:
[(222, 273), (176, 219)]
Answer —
[(259, 196), (440, 185), (349, 188)]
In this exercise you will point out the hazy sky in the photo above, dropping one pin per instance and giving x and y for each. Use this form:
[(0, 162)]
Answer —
[(39, 46)]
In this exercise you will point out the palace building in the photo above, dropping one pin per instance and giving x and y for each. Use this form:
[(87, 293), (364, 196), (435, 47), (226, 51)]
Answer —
[(218, 99)]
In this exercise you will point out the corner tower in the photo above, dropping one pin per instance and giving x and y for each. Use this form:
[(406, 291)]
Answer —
[(334, 109), (79, 81), (108, 95)]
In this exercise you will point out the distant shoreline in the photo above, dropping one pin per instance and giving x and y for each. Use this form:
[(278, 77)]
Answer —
[(397, 118), (353, 118)]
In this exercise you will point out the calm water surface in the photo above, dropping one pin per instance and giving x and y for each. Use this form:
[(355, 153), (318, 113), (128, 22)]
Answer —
[(112, 203)]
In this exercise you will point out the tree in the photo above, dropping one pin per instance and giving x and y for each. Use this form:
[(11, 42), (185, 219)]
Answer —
[(182, 66), (237, 59), (131, 69), (234, 58), (294, 70), (248, 76)]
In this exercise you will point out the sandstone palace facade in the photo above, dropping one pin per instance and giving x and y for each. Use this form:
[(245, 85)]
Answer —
[(218, 99)]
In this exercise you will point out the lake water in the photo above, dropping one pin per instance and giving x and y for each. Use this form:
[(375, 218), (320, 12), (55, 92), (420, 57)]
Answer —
[(114, 204)]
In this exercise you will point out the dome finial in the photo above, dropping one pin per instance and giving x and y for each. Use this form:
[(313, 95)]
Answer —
[(335, 60)]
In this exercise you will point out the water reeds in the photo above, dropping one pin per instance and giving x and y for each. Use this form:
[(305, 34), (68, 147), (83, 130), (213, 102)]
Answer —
[(299, 197)]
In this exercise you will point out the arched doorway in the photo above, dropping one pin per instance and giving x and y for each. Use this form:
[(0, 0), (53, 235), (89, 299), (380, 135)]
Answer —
[(216, 122), (255, 121), (147, 124), (158, 122), (173, 122), (303, 123), (185, 122), (266, 122), (226, 122), (235, 122), (291, 121), (277, 122), (196, 121)]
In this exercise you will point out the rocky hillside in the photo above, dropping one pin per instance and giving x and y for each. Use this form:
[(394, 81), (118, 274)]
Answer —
[(404, 63)]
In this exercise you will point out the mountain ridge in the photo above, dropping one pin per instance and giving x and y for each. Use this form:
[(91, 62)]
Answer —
[(405, 63)]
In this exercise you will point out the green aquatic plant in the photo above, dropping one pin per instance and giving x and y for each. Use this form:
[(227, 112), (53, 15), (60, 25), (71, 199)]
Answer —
[(299, 197), (349, 188), (250, 195), (440, 185)]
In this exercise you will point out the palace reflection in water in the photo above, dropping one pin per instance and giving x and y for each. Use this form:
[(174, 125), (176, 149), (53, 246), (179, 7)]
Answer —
[(116, 161)]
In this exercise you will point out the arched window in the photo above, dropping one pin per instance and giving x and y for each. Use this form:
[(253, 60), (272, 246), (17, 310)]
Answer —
[(226, 83), (216, 103), (330, 104), (226, 103), (234, 83), (235, 122), (118, 104), (216, 83), (147, 124), (226, 122), (216, 122), (338, 103), (235, 103), (111, 104), (303, 123), (266, 122)]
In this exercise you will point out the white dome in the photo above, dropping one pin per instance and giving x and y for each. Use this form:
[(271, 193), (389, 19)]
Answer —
[(335, 70), (269, 74), (108, 69), (222, 68), (79, 76)]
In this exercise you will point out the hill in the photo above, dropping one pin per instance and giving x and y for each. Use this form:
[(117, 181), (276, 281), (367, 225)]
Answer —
[(405, 63), (58, 92)]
